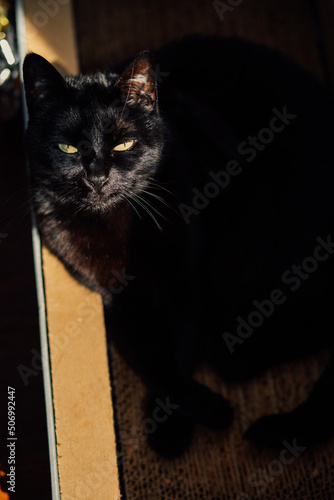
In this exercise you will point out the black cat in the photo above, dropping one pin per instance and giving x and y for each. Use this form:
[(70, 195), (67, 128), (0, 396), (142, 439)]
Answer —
[(198, 200)]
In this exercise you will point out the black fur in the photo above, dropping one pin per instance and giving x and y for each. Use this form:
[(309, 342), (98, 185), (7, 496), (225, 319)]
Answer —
[(206, 214)]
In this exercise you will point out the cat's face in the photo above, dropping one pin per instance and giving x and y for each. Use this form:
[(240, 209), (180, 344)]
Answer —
[(92, 141)]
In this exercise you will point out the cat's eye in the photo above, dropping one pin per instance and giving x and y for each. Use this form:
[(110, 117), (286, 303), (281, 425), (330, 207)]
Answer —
[(67, 148), (125, 146)]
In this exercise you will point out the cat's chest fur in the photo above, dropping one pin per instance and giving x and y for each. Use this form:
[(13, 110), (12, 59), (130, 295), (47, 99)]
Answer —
[(93, 248), (102, 251)]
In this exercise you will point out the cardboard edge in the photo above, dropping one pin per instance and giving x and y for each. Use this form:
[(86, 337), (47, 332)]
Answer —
[(37, 255), (43, 261)]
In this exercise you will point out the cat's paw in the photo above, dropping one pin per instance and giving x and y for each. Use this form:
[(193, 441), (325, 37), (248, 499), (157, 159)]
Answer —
[(301, 426), (172, 437)]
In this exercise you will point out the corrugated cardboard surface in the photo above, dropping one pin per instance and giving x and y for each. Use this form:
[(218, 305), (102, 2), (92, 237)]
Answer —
[(80, 377), (83, 412)]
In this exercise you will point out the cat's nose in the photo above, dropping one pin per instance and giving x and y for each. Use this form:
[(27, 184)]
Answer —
[(96, 175), (97, 181)]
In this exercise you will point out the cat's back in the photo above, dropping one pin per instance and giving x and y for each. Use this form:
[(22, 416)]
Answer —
[(239, 78), (230, 99)]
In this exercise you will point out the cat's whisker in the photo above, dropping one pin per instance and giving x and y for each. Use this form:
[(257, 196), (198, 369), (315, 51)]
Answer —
[(157, 197), (161, 200), (126, 198), (27, 212), (143, 200), (12, 198), (145, 205), (152, 207), (157, 185), (79, 209), (128, 94), (15, 215), (165, 155)]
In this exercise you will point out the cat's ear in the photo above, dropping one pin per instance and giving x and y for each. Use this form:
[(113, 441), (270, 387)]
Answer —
[(42, 81), (138, 82)]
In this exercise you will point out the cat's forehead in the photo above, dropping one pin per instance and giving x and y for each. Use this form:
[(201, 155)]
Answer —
[(98, 117), (93, 103), (94, 92), (97, 104), (96, 81)]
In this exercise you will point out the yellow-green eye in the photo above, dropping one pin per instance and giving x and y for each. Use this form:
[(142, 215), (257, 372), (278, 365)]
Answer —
[(67, 148), (125, 146)]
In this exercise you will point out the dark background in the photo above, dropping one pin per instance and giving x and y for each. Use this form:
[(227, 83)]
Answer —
[(107, 32)]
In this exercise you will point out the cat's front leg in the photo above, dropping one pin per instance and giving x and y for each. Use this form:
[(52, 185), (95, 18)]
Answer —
[(165, 361), (145, 343), (175, 416)]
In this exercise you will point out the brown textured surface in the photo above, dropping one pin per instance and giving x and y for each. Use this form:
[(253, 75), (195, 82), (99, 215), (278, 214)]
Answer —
[(125, 27), (219, 465)]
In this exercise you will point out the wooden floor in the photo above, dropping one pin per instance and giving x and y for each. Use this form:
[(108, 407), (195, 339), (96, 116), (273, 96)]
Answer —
[(108, 32)]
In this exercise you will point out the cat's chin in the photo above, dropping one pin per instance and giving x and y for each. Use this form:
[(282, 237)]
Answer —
[(99, 205), (100, 208)]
